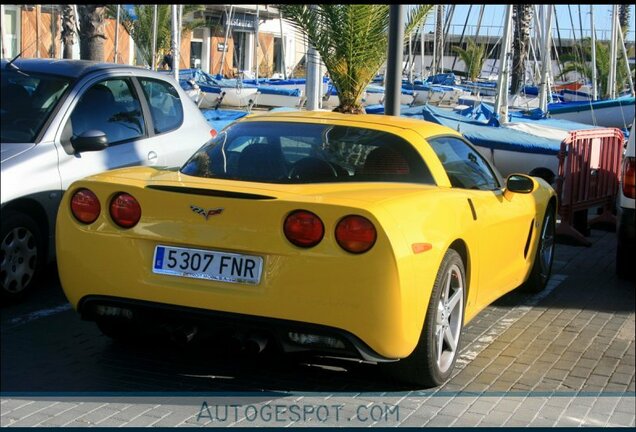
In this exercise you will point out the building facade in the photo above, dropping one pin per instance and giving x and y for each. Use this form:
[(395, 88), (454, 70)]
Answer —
[(232, 40)]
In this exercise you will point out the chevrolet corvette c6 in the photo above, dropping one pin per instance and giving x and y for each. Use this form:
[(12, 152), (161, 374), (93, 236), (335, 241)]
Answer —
[(359, 236)]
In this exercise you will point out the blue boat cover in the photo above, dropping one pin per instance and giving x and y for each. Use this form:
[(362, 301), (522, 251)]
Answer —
[(220, 118), (270, 89), (484, 112), (482, 134), (444, 79), (582, 105)]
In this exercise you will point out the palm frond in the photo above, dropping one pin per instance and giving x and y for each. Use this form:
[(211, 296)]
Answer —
[(352, 40)]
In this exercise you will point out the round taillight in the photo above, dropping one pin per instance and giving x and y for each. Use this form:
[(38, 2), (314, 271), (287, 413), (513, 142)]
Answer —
[(303, 228), (125, 210), (85, 206), (355, 234)]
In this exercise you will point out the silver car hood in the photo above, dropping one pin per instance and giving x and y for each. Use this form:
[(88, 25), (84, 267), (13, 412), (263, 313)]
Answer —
[(8, 151)]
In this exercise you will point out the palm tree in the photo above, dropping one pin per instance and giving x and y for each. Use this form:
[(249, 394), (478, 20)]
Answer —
[(623, 18), (140, 28), (352, 40), (68, 30), (522, 16), (91, 35), (584, 67), (473, 57)]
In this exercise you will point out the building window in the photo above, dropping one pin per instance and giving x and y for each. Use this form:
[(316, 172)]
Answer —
[(11, 29)]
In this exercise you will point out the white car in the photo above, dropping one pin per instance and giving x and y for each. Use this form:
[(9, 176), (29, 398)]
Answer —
[(66, 119), (626, 230)]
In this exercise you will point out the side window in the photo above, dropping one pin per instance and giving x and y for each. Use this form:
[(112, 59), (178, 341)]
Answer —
[(165, 105), (111, 107), (465, 167)]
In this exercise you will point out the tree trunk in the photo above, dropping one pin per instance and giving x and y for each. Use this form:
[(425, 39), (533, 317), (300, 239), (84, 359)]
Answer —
[(439, 39), (521, 16), (623, 18), (92, 20), (68, 30)]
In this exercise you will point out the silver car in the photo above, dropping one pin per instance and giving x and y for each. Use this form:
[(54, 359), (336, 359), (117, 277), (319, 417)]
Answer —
[(65, 119)]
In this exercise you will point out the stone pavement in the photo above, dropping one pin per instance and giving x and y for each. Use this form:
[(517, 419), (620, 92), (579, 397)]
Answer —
[(564, 357)]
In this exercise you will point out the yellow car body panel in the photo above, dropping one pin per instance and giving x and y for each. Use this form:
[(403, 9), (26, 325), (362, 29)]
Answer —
[(380, 296)]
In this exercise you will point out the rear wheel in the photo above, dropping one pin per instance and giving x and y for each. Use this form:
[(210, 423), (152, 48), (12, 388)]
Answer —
[(542, 266), (432, 361), (21, 254), (544, 173)]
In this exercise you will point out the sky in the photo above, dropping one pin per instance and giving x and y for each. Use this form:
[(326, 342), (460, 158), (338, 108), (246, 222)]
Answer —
[(492, 22)]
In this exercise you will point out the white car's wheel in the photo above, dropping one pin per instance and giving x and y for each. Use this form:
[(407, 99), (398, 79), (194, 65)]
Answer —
[(20, 254), (432, 361)]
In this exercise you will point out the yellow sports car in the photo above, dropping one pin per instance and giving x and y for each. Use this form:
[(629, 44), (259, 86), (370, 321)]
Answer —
[(363, 236)]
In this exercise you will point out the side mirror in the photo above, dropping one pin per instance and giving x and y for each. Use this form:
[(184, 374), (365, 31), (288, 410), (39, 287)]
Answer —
[(519, 183), (90, 140)]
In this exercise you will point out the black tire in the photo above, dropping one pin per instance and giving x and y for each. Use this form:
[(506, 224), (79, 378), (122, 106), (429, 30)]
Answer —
[(21, 254), (425, 366), (542, 265), (544, 173)]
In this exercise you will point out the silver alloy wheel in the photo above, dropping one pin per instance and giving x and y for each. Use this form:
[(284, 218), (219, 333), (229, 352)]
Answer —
[(547, 244), (18, 259), (449, 316)]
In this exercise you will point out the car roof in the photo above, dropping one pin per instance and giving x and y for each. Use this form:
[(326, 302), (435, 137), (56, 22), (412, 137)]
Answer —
[(426, 128), (65, 67)]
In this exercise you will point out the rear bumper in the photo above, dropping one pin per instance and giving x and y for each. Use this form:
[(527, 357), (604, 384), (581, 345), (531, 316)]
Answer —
[(224, 323)]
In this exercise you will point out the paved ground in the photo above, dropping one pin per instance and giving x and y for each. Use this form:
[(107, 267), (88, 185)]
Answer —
[(564, 357)]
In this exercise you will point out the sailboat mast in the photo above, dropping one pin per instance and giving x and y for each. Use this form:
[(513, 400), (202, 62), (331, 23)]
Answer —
[(175, 41), (622, 44), (228, 23), (501, 101), (611, 79), (546, 65), (594, 76), (154, 38), (282, 43), (256, 44)]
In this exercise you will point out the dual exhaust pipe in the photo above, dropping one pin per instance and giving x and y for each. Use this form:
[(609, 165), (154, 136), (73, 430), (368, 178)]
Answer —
[(253, 343)]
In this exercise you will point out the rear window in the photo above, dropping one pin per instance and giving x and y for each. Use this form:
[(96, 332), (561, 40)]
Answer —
[(280, 152)]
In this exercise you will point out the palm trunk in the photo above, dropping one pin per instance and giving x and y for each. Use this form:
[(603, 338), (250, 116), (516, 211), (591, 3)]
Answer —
[(92, 20), (439, 39), (522, 16), (623, 18), (68, 30)]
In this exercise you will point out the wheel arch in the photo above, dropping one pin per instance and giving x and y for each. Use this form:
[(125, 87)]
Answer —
[(460, 246)]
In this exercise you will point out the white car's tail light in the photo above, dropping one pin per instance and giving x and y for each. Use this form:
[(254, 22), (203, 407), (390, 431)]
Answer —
[(85, 206)]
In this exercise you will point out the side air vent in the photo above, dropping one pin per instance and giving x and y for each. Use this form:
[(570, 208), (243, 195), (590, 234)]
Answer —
[(525, 250), (210, 192)]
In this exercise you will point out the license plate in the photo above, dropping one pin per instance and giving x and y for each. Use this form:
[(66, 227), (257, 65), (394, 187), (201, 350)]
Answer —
[(207, 264)]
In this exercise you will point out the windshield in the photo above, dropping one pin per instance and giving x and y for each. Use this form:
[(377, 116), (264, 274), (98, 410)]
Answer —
[(282, 152), (28, 99)]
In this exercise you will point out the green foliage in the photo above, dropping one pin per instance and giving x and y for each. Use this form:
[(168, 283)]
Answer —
[(352, 40), (140, 28), (473, 57), (584, 66)]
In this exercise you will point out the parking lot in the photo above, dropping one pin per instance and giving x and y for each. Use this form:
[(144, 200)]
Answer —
[(564, 357)]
